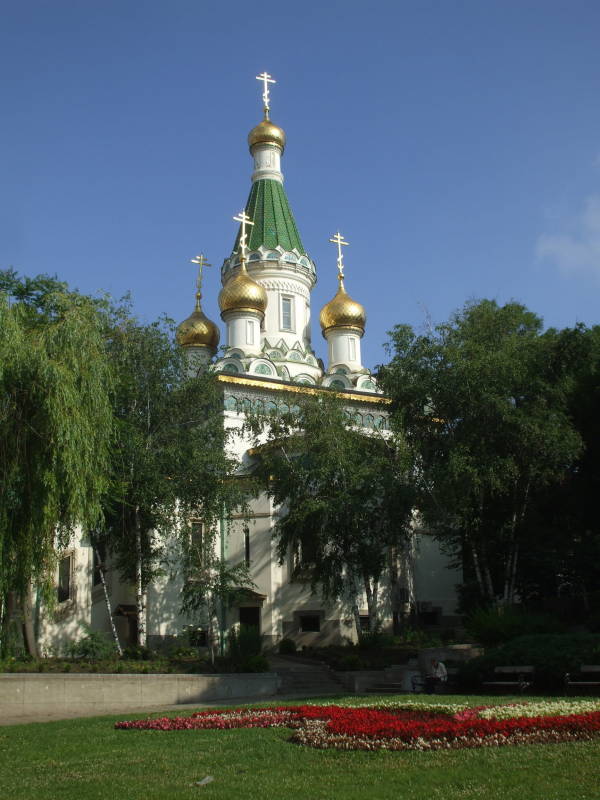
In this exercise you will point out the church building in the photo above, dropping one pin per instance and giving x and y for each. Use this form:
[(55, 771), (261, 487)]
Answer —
[(267, 360)]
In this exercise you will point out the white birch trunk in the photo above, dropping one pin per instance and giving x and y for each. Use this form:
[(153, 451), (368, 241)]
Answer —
[(140, 597), (107, 601)]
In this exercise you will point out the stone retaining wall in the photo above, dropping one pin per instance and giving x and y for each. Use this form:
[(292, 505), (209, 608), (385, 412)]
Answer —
[(27, 694)]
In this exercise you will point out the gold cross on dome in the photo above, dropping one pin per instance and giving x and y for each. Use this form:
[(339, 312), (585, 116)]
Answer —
[(340, 241), (201, 262), (266, 79), (244, 219)]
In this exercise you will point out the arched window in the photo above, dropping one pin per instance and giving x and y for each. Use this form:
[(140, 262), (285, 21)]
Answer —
[(263, 369)]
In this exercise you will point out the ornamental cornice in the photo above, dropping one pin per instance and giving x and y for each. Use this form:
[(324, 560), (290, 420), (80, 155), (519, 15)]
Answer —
[(290, 388), (278, 284)]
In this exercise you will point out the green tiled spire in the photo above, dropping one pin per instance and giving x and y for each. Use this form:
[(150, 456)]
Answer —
[(274, 224)]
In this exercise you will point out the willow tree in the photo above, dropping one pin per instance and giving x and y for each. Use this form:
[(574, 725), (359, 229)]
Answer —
[(55, 430)]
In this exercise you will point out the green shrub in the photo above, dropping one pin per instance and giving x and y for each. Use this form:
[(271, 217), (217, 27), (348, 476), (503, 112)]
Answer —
[(287, 647), (256, 663), (137, 652), (494, 626), (350, 662), (417, 638), (375, 639), (93, 646), (244, 642), (551, 654)]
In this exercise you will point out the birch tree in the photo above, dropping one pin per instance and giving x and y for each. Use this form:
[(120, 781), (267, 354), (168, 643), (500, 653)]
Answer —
[(345, 498), (483, 403), (169, 462)]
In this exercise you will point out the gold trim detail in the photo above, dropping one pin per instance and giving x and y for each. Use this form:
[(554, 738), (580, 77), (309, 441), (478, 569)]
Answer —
[(300, 389)]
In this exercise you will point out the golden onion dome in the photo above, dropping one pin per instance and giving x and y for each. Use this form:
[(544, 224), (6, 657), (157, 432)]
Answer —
[(241, 293), (266, 132), (197, 330), (342, 312)]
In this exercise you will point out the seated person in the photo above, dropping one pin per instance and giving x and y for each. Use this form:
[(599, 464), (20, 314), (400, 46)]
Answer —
[(436, 676)]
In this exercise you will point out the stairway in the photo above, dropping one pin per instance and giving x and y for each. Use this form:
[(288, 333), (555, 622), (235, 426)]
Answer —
[(305, 679)]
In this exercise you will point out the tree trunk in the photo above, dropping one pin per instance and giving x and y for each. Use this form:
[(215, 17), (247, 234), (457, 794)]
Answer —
[(140, 596), (513, 574), (107, 601), (476, 565), (8, 613), (28, 632), (372, 592)]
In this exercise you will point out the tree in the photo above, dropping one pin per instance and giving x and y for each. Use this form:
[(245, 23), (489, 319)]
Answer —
[(562, 556), (344, 495), (169, 464), (483, 403), (55, 430)]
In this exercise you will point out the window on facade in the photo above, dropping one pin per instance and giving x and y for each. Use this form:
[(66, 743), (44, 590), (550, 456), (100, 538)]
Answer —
[(286, 313), (197, 637), (65, 586), (197, 541), (249, 332), (99, 559), (352, 348), (310, 623), (247, 545)]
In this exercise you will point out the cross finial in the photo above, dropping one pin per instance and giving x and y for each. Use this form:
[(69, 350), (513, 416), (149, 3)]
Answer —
[(201, 262), (339, 240), (244, 219), (266, 79)]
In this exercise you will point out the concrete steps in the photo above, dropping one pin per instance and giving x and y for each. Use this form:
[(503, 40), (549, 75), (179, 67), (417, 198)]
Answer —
[(308, 682)]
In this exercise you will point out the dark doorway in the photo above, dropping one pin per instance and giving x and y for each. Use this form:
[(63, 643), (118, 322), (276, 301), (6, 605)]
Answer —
[(250, 615)]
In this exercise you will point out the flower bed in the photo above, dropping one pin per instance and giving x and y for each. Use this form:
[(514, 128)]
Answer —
[(402, 727)]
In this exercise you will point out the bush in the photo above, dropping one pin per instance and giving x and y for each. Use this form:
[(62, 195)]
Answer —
[(244, 642), (496, 625), (350, 662), (551, 654), (137, 652), (375, 639), (255, 663), (287, 647), (94, 646)]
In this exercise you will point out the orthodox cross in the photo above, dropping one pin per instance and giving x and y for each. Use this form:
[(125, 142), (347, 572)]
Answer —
[(266, 79), (201, 262), (245, 220), (339, 240)]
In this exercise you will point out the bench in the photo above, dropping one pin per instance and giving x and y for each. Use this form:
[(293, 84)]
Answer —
[(519, 677), (591, 670)]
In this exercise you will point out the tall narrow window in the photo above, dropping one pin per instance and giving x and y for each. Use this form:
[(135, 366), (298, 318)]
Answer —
[(249, 332), (286, 313), (352, 348), (197, 542), (64, 587), (247, 545)]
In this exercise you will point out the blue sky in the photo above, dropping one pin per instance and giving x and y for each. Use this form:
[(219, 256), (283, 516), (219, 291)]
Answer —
[(456, 145)]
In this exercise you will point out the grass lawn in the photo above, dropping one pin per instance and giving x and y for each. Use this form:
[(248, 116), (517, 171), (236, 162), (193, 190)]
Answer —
[(86, 759)]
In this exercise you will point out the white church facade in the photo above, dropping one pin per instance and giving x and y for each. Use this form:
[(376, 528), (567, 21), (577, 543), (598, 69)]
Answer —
[(267, 362)]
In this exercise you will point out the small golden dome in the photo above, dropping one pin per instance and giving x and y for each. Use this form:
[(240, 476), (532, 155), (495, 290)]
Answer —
[(241, 293), (266, 132), (197, 330), (342, 312)]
